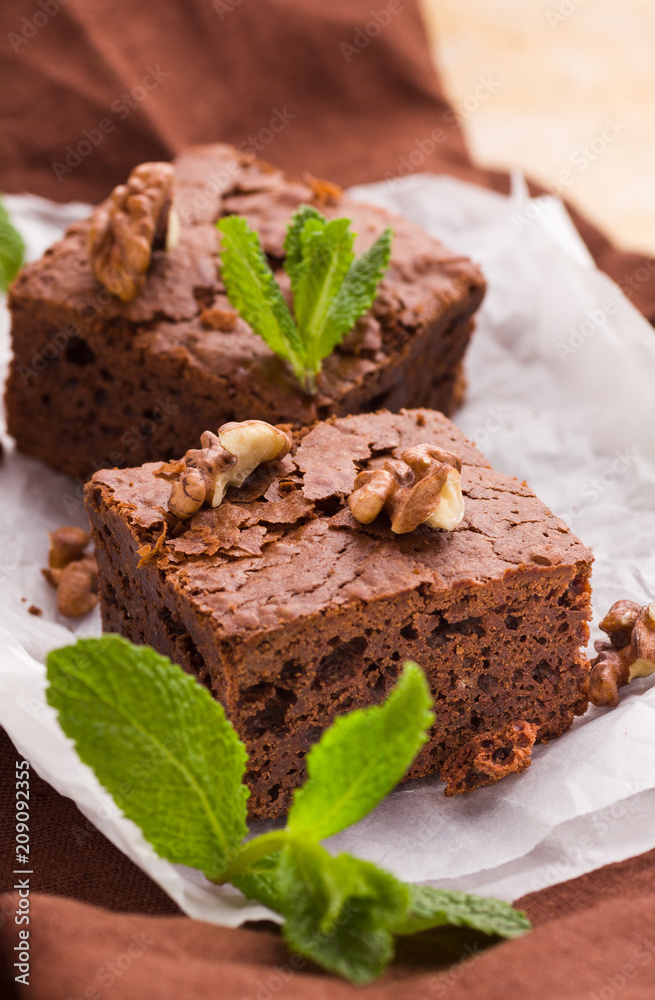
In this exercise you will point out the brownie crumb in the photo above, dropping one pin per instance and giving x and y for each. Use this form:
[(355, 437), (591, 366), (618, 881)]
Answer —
[(33, 610), (148, 552), (219, 319), (325, 192), (488, 757)]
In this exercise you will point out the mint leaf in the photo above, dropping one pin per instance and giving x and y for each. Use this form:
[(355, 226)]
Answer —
[(339, 911), (361, 757), (254, 292), (356, 294), (430, 908), (326, 258), (158, 742), (262, 883), (292, 242), (12, 250)]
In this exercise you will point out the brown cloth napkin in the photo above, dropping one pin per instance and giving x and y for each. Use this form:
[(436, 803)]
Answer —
[(344, 89), (594, 939), (312, 86)]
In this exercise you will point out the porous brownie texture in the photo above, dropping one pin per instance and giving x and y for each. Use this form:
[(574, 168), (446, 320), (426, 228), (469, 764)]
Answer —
[(95, 382), (292, 612)]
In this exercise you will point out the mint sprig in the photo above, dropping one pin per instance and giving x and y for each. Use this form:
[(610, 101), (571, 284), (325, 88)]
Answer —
[(162, 746), (253, 290), (331, 289), (12, 250)]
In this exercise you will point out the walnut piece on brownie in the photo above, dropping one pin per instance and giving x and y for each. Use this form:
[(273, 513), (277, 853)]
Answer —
[(425, 487), (224, 459), (124, 229), (291, 611)]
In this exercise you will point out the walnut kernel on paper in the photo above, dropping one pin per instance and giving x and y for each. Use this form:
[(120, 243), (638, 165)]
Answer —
[(629, 653), (72, 572), (123, 229)]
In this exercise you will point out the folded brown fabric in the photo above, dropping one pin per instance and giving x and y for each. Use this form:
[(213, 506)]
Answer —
[(70, 856), (341, 89), (345, 90), (583, 947)]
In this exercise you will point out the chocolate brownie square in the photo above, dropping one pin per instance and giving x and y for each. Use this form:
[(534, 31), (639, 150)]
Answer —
[(96, 382), (291, 611)]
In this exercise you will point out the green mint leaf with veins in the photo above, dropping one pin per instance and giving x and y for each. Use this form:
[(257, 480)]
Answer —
[(331, 289), (254, 292), (356, 293), (361, 758), (293, 249), (12, 250), (327, 256), (432, 908), (158, 742), (262, 883), (339, 911)]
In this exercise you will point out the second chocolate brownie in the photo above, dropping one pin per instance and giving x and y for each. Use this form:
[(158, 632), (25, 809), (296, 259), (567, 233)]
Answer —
[(96, 382)]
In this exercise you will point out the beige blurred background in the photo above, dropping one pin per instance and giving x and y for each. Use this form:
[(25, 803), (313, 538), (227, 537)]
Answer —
[(565, 90)]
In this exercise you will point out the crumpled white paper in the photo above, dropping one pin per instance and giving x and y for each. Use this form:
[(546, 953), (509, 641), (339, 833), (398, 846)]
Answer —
[(560, 376)]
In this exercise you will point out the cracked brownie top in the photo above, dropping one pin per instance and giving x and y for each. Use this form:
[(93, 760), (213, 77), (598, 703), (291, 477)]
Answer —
[(285, 544), (182, 309)]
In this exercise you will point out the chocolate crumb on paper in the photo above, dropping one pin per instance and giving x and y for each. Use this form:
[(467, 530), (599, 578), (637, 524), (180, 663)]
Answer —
[(489, 757)]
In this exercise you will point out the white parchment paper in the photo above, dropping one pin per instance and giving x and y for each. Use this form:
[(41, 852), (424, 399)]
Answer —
[(560, 389)]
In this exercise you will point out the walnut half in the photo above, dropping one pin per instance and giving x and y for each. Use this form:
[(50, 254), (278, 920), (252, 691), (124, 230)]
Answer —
[(125, 226), (225, 459), (425, 487), (71, 572), (630, 652)]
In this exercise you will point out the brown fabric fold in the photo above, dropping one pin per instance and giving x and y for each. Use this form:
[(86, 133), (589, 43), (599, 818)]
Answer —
[(323, 87), (583, 947), (69, 856), (345, 90)]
